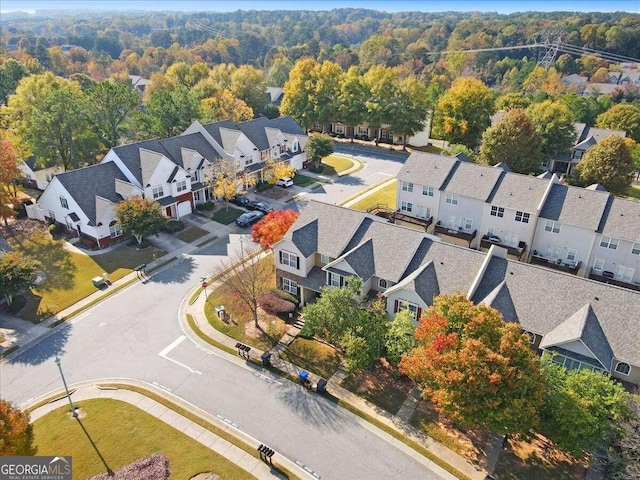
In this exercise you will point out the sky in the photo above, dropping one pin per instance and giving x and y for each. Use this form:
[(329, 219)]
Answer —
[(500, 6)]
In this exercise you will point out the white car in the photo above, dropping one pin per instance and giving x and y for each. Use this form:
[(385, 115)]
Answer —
[(284, 182)]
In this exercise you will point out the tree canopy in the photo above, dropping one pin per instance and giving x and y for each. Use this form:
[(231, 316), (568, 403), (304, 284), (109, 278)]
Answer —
[(272, 227), (16, 273), (553, 122), (476, 369), (140, 216), (625, 117), (610, 164), (318, 147), (16, 433)]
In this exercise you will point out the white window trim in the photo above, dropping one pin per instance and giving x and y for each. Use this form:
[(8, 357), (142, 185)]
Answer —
[(324, 258), (575, 255), (157, 192), (609, 242), (407, 305), (63, 202), (497, 211), (406, 186), (287, 258), (601, 269), (382, 283), (635, 248), (551, 226), (451, 199), (339, 279), (406, 206), (427, 190), (183, 184), (115, 230), (623, 373), (288, 285), (524, 217)]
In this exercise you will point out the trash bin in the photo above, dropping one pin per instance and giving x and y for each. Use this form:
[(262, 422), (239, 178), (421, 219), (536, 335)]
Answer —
[(322, 386), (303, 376), (220, 312), (266, 359)]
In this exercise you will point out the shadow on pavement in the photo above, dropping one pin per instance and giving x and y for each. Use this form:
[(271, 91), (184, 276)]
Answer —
[(179, 272), (45, 350)]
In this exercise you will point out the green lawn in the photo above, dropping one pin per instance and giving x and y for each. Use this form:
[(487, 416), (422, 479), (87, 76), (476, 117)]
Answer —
[(385, 196), (68, 274), (335, 164), (634, 192), (191, 234), (226, 215), (116, 433), (313, 356), (302, 180)]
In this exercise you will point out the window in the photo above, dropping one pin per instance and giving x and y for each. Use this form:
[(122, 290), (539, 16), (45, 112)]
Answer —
[(497, 211), (64, 203), (428, 191), (609, 242), (571, 364), (406, 206), (544, 164), (115, 230), (531, 337), (157, 192), (363, 130), (294, 146), (195, 175), (69, 224), (491, 231), (572, 255), (451, 198), (382, 283), (52, 216), (407, 187), (598, 265), (289, 259), (424, 212), (411, 307), (335, 280), (510, 239), (623, 368), (196, 196), (339, 129), (460, 222), (554, 252), (522, 217), (324, 258), (181, 186), (552, 226), (635, 249), (290, 286)]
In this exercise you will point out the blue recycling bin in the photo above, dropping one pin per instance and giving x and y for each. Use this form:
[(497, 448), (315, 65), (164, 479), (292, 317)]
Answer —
[(303, 376)]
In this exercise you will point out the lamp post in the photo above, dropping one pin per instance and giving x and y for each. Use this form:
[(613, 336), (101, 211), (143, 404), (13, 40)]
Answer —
[(204, 287), (66, 389)]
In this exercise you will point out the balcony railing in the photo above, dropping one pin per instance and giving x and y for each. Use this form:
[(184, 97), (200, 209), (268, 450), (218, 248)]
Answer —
[(607, 277), (518, 251), (458, 232), (423, 222), (556, 264)]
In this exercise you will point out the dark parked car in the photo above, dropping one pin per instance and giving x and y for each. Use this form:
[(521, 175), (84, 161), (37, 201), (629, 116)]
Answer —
[(262, 207), (248, 218), (243, 201)]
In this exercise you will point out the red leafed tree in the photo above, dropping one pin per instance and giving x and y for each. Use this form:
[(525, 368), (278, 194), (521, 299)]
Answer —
[(475, 368), (272, 227)]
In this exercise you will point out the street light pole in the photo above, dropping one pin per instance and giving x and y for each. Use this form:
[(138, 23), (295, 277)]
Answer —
[(66, 389), (204, 287)]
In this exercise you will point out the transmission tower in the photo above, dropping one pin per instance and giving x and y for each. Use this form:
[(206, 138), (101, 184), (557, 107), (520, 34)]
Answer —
[(552, 39)]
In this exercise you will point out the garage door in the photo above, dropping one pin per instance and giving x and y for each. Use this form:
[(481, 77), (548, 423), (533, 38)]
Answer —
[(184, 208)]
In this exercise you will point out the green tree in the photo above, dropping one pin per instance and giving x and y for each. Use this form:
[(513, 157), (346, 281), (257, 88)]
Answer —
[(16, 433), (318, 147), (553, 122), (583, 109), (111, 104), (328, 82), (512, 100), (16, 272), (353, 95), (140, 216), (624, 116), (169, 113), (580, 408), (463, 112), (11, 72), (514, 141), (248, 84), (298, 101), (278, 73), (476, 369), (610, 164), (223, 105), (410, 108), (380, 82), (623, 459), (455, 148), (400, 339)]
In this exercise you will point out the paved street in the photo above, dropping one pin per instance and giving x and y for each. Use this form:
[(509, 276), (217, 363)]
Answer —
[(136, 334)]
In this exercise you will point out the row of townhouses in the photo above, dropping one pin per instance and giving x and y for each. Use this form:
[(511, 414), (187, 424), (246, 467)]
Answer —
[(583, 231), (170, 171), (583, 323)]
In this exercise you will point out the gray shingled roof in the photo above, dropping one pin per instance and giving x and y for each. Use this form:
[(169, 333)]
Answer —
[(544, 298), (213, 129), (130, 155), (575, 206), (194, 141), (362, 260), (287, 125), (427, 169), (622, 219), (473, 180), (84, 184), (520, 192), (501, 300), (305, 237), (255, 131), (456, 266), (423, 281), (583, 325)]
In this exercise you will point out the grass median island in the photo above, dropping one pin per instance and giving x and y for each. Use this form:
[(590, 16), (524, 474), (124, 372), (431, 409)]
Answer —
[(313, 356), (302, 180), (69, 274), (226, 215), (116, 433), (334, 164), (190, 234), (387, 195)]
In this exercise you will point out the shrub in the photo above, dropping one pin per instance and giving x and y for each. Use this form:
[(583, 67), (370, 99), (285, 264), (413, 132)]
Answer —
[(54, 228), (209, 206), (315, 169), (155, 467), (262, 186), (174, 226), (199, 206), (285, 295), (275, 305)]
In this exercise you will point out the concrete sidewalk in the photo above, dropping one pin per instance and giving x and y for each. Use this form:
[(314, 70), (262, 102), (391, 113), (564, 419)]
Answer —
[(231, 452), (196, 310)]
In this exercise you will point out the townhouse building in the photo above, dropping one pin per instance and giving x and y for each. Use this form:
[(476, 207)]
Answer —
[(582, 323)]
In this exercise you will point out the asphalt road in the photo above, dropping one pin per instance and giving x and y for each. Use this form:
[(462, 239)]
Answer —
[(124, 336)]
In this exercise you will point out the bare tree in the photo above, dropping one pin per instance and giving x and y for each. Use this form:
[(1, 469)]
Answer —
[(245, 278)]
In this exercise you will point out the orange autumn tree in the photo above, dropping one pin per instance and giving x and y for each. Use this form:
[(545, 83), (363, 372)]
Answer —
[(272, 227), (475, 368), (16, 433)]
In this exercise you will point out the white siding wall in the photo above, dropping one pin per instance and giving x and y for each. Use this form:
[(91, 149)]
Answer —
[(578, 347), (614, 259), (306, 264), (508, 224), (466, 208), (418, 200), (407, 295), (569, 237)]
